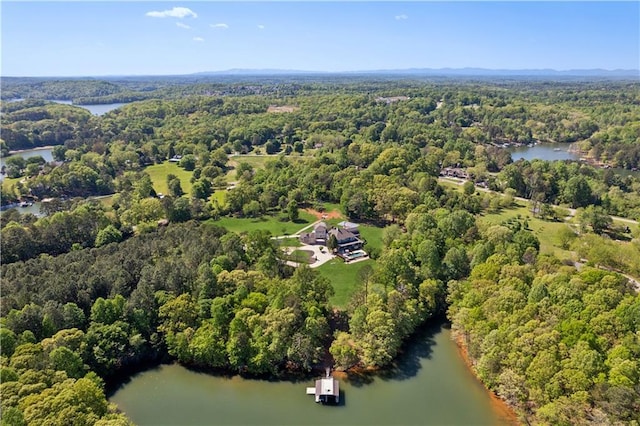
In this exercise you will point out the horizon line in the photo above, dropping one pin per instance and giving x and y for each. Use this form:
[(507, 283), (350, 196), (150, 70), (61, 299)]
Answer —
[(266, 71)]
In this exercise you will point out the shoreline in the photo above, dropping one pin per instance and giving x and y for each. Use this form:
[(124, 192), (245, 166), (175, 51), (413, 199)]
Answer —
[(39, 148), (504, 410)]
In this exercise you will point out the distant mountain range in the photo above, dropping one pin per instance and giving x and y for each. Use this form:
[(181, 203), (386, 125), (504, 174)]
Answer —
[(467, 72)]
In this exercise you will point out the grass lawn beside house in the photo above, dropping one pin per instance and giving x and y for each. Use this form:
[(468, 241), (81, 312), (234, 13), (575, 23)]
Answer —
[(301, 256), (272, 223), (344, 278), (289, 242)]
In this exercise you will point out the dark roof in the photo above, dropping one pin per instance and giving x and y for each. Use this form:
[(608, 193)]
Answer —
[(342, 234)]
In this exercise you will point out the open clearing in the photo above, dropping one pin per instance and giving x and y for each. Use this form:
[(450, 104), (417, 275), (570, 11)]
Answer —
[(219, 196), (344, 279), (547, 232), (159, 172), (301, 256), (256, 161), (283, 108), (277, 224), (327, 215)]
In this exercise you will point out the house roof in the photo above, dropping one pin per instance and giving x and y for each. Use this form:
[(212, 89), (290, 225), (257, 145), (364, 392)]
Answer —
[(327, 386), (348, 225), (342, 234), (320, 225)]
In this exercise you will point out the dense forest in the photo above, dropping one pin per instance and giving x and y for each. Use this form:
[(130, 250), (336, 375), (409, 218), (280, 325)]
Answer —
[(100, 287)]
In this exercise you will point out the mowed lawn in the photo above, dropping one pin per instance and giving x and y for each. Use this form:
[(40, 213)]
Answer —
[(547, 232), (256, 161), (277, 224), (219, 196), (159, 172), (8, 185), (372, 235), (344, 278)]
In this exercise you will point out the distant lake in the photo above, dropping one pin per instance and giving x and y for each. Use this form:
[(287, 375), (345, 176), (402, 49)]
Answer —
[(33, 209), (555, 152), (543, 151), (96, 109), (44, 152)]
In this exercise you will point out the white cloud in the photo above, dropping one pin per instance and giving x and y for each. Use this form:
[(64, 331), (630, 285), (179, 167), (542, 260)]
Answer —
[(401, 17), (198, 39), (176, 12), (261, 27), (220, 26), (183, 25)]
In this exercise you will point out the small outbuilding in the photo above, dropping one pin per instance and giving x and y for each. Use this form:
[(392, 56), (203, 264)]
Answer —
[(327, 390)]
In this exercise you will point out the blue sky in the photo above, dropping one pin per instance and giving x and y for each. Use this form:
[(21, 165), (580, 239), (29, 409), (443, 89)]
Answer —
[(158, 38)]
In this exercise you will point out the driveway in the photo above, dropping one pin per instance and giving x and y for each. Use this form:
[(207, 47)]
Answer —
[(321, 254)]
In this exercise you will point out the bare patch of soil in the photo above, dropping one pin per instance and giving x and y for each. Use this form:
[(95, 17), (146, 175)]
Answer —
[(283, 108), (334, 214)]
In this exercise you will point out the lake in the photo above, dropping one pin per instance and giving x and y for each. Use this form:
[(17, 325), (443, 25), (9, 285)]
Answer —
[(44, 152), (554, 152), (543, 151), (430, 385), (33, 209), (97, 109)]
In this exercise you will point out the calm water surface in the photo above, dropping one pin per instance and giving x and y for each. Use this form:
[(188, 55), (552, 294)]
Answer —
[(44, 152), (431, 385), (101, 109), (543, 151), (98, 109), (556, 151)]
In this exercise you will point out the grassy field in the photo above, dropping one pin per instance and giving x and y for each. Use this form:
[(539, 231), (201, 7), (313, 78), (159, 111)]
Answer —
[(219, 195), (330, 207), (344, 279), (546, 232), (289, 242), (450, 184), (159, 172), (273, 223), (7, 183), (343, 276), (256, 161), (106, 201), (301, 256), (372, 235)]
